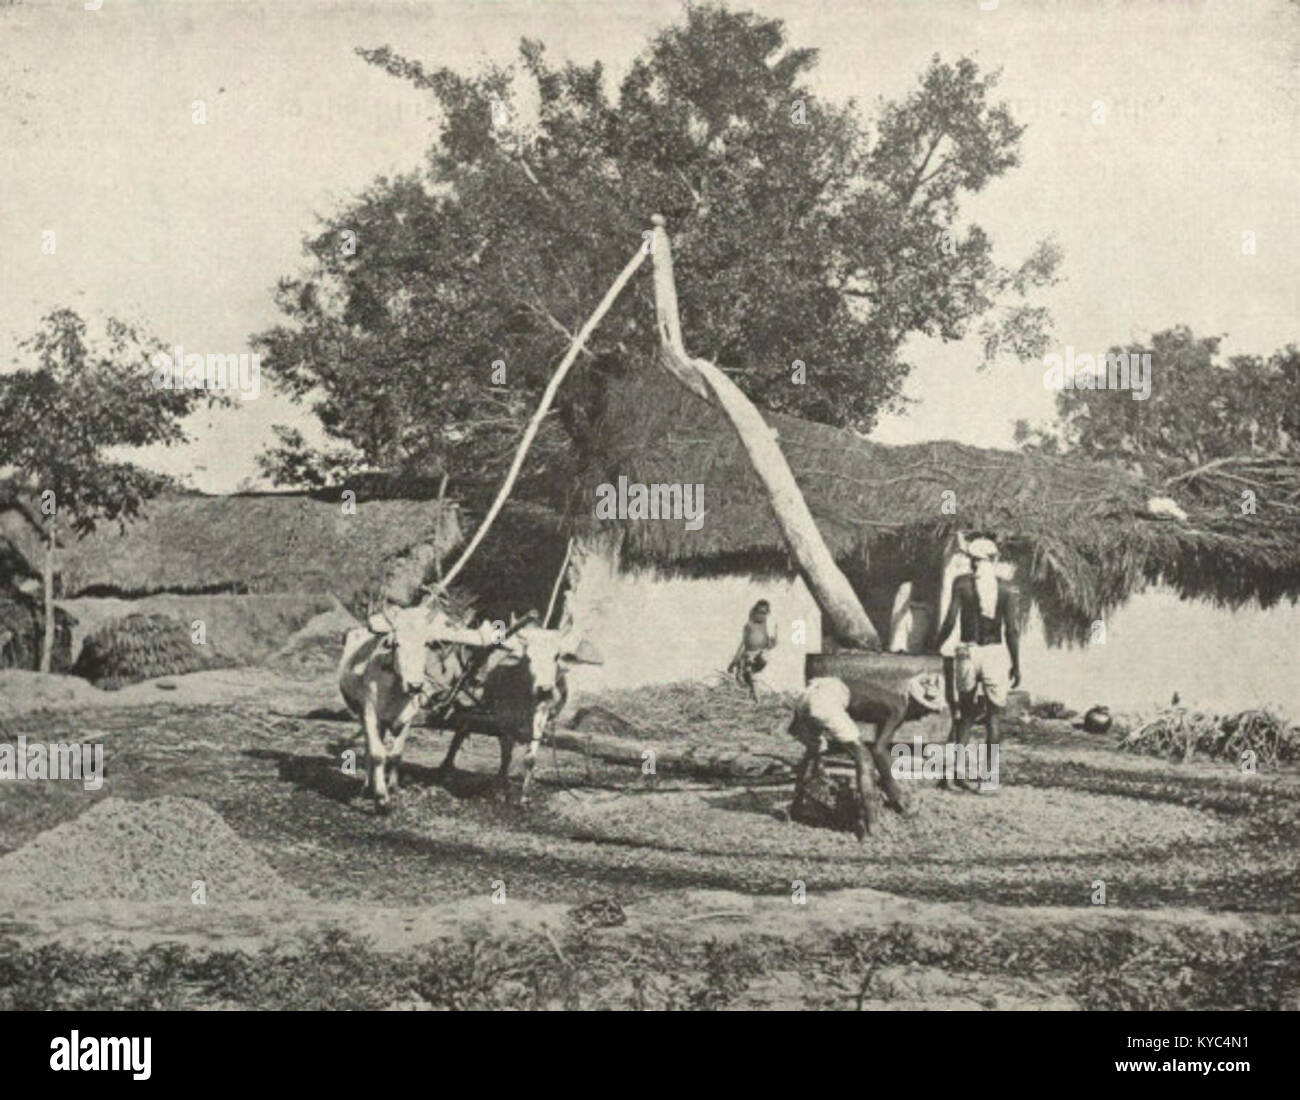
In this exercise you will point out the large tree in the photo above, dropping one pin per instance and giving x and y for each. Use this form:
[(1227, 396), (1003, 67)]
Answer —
[(59, 418), (799, 232)]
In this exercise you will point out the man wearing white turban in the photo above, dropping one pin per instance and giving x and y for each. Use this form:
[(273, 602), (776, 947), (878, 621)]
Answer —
[(984, 603)]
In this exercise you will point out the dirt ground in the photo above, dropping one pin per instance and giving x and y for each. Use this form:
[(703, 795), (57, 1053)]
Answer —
[(1187, 855)]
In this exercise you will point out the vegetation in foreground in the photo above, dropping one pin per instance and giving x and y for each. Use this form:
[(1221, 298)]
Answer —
[(1111, 969)]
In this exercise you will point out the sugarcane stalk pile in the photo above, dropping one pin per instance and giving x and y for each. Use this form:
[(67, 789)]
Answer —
[(1180, 733), (1274, 478)]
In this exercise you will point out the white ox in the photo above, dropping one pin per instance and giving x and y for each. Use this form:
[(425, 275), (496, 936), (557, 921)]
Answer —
[(523, 690), (389, 669)]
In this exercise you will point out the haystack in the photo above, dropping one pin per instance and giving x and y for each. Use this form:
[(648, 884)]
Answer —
[(244, 628), (141, 647)]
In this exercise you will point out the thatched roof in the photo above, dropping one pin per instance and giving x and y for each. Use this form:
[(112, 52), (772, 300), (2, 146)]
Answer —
[(251, 542), (1080, 534)]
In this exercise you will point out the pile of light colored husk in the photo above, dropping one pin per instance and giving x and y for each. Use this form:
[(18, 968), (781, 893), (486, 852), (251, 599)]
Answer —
[(142, 851), (697, 710), (1180, 733)]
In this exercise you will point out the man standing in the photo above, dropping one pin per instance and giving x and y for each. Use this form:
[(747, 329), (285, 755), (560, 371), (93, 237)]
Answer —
[(984, 604)]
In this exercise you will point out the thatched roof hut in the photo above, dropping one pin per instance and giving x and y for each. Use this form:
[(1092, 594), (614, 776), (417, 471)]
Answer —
[(247, 542), (1082, 536)]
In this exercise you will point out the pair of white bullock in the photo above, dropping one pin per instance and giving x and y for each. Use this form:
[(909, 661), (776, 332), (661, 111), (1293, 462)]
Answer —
[(404, 656)]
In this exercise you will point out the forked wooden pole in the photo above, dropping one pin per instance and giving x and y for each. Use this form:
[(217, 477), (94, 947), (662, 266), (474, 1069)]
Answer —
[(548, 397), (559, 580), (844, 613)]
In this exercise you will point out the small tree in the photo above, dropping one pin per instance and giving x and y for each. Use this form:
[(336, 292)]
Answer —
[(1202, 409), (58, 419)]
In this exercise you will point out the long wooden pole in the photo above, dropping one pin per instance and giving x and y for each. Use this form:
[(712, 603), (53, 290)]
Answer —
[(559, 580), (47, 584), (548, 397), (829, 586)]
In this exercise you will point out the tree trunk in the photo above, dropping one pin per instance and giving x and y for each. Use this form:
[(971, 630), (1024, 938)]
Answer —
[(47, 644), (844, 613)]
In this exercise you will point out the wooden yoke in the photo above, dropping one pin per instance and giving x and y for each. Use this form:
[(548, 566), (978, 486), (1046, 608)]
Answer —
[(840, 605)]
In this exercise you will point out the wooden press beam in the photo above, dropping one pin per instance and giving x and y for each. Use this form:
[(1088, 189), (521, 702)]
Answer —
[(843, 611)]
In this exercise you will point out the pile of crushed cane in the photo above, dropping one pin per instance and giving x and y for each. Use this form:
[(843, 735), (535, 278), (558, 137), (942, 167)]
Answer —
[(1262, 736)]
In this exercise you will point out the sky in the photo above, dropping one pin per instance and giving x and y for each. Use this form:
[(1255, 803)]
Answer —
[(187, 227)]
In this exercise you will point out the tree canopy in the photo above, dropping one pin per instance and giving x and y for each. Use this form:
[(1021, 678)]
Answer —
[(1202, 409), (436, 304)]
